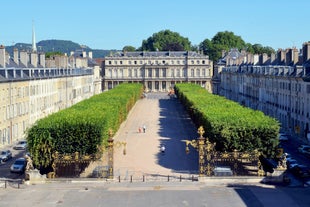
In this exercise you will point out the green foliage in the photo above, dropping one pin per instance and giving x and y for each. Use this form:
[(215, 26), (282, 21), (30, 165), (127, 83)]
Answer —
[(82, 128), (259, 49), (166, 40), (227, 123), (63, 46), (129, 48), (227, 40), (50, 54)]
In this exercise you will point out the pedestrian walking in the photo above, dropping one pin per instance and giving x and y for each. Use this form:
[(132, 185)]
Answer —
[(144, 128), (162, 149)]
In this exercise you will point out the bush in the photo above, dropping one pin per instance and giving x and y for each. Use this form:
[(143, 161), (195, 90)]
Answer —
[(227, 123), (82, 128)]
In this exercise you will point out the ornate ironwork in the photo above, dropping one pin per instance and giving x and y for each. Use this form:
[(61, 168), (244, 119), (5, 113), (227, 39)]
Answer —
[(240, 163), (74, 163)]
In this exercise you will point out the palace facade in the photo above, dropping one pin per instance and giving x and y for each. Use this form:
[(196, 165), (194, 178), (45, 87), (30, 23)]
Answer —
[(157, 71)]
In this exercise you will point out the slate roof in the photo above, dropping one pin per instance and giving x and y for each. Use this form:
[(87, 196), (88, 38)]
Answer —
[(158, 54)]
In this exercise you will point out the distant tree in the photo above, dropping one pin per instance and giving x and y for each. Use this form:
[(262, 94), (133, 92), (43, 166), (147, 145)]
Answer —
[(227, 40), (166, 40), (195, 48), (173, 46), (249, 48), (258, 48), (268, 50), (129, 48), (50, 54), (221, 41), (207, 48)]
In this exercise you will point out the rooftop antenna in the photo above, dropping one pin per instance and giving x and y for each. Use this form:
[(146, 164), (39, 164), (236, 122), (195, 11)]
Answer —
[(34, 47)]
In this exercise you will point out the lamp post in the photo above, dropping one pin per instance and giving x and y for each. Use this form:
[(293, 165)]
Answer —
[(203, 146), (110, 155)]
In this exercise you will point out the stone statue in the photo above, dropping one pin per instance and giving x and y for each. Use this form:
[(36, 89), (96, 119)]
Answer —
[(29, 165)]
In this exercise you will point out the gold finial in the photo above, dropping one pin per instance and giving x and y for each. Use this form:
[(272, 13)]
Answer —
[(201, 131)]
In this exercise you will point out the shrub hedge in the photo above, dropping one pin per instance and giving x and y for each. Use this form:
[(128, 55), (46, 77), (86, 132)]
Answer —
[(82, 128), (227, 123)]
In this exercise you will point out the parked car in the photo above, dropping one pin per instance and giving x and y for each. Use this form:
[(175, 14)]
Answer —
[(287, 155), (301, 171), (292, 163), (19, 165), (5, 155), (283, 137), (21, 145), (304, 149)]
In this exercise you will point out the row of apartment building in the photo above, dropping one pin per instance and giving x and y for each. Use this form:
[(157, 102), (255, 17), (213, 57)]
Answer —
[(281, 91), (31, 91)]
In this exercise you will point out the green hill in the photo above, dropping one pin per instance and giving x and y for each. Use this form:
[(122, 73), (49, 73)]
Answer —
[(63, 46)]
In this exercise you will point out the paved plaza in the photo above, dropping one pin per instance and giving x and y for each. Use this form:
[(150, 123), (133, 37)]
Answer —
[(166, 124)]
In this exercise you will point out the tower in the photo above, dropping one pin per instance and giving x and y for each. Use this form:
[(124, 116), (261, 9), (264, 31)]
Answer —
[(34, 46)]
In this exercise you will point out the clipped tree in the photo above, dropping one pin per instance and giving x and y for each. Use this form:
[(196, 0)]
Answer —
[(83, 128), (230, 125)]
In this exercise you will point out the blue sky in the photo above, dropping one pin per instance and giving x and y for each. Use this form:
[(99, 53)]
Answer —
[(102, 24)]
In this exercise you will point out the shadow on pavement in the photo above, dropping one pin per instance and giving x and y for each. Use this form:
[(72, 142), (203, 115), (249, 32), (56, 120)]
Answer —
[(175, 126)]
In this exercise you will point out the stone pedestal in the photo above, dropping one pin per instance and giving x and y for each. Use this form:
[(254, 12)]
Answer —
[(278, 176), (34, 176)]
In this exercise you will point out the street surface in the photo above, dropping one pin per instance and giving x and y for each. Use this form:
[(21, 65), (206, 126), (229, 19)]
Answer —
[(152, 194)]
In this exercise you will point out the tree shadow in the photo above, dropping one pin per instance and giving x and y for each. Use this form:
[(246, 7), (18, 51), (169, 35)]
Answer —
[(272, 195), (175, 126)]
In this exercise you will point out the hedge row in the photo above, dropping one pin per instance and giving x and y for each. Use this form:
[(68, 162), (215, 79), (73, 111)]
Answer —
[(82, 128), (227, 123)]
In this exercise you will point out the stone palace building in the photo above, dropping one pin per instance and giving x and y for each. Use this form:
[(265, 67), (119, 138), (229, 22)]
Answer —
[(158, 71)]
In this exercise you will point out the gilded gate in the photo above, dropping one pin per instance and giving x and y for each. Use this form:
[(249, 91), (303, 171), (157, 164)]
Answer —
[(70, 165), (215, 163)]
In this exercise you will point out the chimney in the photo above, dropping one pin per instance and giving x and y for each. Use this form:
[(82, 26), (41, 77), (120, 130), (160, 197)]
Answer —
[(264, 59), (306, 51), (15, 56), (7, 58), (2, 56), (34, 59), (42, 59), (84, 54), (24, 58), (272, 59), (90, 54)]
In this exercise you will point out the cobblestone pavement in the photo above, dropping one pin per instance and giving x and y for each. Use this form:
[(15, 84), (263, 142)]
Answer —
[(166, 124)]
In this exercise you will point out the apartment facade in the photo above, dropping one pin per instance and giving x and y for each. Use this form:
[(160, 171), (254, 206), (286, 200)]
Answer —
[(31, 93), (157, 71), (281, 90)]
